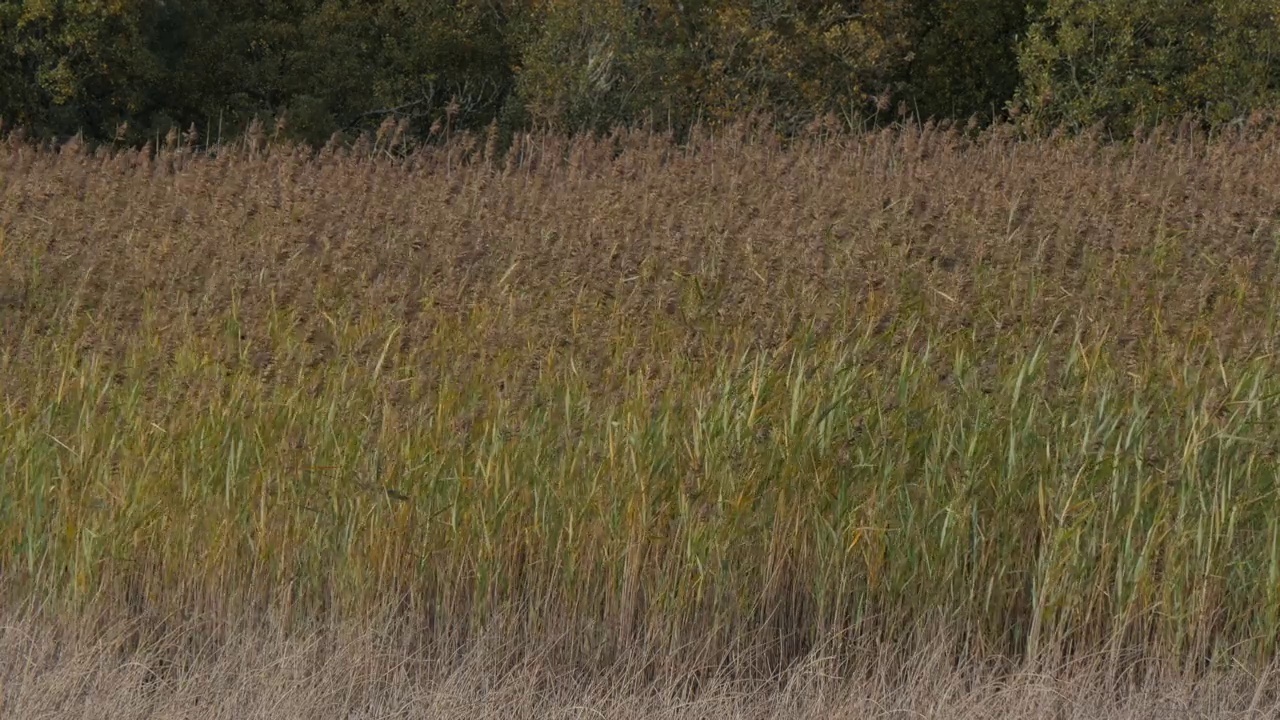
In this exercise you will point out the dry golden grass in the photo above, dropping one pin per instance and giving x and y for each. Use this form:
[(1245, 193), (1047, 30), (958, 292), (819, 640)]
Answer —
[(371, 670), (714, 406)]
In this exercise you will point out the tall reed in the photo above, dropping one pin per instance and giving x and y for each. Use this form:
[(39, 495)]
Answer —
[(692, 399)]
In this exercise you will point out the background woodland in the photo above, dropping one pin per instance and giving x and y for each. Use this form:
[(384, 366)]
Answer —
[(132, 70)]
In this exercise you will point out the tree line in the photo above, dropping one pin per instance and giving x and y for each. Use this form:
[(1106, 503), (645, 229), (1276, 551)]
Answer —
[(127, 70)]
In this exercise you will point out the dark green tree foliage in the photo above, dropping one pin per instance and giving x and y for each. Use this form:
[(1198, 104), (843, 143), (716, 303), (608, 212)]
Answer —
[(468, 58), (71, 66), (593, 65), (344, 65), (965, 59), (347, 65), (799, 60), (590, 64), (1124, 64), (325, 65)]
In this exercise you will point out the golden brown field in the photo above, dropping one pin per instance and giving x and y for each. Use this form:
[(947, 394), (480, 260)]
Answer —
[(920, 420)]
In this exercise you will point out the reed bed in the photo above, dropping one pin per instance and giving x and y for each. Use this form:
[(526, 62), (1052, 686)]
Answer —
[(715, 405)]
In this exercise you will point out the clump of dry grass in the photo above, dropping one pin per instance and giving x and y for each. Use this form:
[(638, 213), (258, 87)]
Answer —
[(372, 670), (715, 405)]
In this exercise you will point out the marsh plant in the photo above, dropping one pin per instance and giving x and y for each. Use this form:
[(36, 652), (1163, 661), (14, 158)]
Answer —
[(715, 406)]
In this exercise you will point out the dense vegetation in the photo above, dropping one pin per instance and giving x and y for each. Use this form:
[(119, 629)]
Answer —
[(134, 69), (688, 350), (657, 400)]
